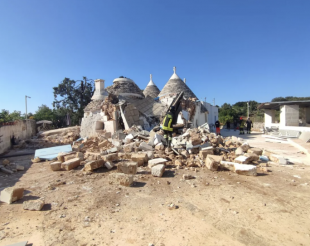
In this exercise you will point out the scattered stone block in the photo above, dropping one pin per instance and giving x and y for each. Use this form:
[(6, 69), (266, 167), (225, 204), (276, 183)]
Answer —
[(33, 205), (80, 155), (278, 159), (127, 167), (178, 162), (242, 159), (112, 150), (160, 146), (109, 165), (252, 157), (20, 168), (256, 151), (140, 158), (185, 153), (110, 157), (5, 162), (56, 166), (36, 160), (228, 165), (158, 170), (124, 155), (103, 144), (245, 147), (156, 161), (92, 165), (264, 169), (188, 176), (117, 143), (70, 164), (11, 194), (211, 164), (150, 155), (121, 179), (249, 170), (239, 151), (128, 148), (205, 152), (144, 146), (69, 157), (158, 139)]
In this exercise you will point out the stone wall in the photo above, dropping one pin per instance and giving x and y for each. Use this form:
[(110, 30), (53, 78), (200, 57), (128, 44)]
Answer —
[(22, 130), (258, 126), (88, 124)]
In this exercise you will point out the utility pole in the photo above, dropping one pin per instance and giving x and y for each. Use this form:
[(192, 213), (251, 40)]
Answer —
[(26, 105)]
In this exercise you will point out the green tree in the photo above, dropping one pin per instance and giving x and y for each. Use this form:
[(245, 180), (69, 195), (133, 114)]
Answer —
[(44, 113), (6, 116), (74, 96)]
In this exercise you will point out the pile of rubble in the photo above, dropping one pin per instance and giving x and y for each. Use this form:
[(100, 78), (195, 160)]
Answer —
[(54, 138), (9, 168), (126, 151)]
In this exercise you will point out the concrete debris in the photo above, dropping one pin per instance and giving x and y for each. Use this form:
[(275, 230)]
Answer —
[(127, 167), (33, 205), (11, 194)]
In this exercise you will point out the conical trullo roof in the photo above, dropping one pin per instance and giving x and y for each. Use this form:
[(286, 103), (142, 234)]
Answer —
[(151, 89), (125, 87), (176, 85)]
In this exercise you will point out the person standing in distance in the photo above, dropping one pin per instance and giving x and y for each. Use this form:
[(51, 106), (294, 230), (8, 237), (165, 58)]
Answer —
[(167, 126), (217, 127), (249, 125), (241, 126)]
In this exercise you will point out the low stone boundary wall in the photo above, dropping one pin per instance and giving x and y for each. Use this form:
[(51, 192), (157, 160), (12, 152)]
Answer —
[(22, 130)]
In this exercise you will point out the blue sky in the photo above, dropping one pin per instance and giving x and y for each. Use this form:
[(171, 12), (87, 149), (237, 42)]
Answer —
[(230, 50)]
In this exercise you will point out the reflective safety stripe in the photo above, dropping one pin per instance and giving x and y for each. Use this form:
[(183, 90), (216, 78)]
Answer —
[(165, 136), (170, 138), (167, 122)]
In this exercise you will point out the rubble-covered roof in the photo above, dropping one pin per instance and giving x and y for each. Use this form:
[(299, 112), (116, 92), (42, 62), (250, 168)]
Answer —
[(151, 89), (125, 87), (176, 85), (148, 106), (93, 105)]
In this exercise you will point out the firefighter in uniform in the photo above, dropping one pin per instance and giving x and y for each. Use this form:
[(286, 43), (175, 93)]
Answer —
[(167, 126)]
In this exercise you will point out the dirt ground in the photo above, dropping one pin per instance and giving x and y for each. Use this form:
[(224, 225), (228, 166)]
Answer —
[(215, 208)]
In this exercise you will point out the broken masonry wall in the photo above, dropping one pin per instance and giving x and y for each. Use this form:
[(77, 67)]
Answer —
[(88, 124), (22, 130), (199, 118), (132, 116)]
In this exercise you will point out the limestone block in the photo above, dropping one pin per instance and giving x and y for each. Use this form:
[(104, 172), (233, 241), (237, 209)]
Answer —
[(129, 136), (56, 166), (117, 143), (33, 205), (205, 152), (144, 146), (103, 144), (158, 139), (112, 150), (156, 161), (185, 153), (109, 165), (278, 159), (150, 155), (267, 153), (121, 179), (124, 155), (128, 148), (20, 168), (256, 151), (110, 157), (127, 167), (211, 164), (252, 157), (69, 157), (242, 159), (178, 162), (245, 146), (228, 165), (5, 162), (11, 194), (92, 165), (92, 155), (239, 151), (160, 146), (249, 170), (110, 126), (80, 155), (158, 170), (61, 157), (70, 164), (217, 158), (140, 158)]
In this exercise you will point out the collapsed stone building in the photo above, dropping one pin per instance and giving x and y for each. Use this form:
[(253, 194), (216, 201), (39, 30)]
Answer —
[(124, 104)]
